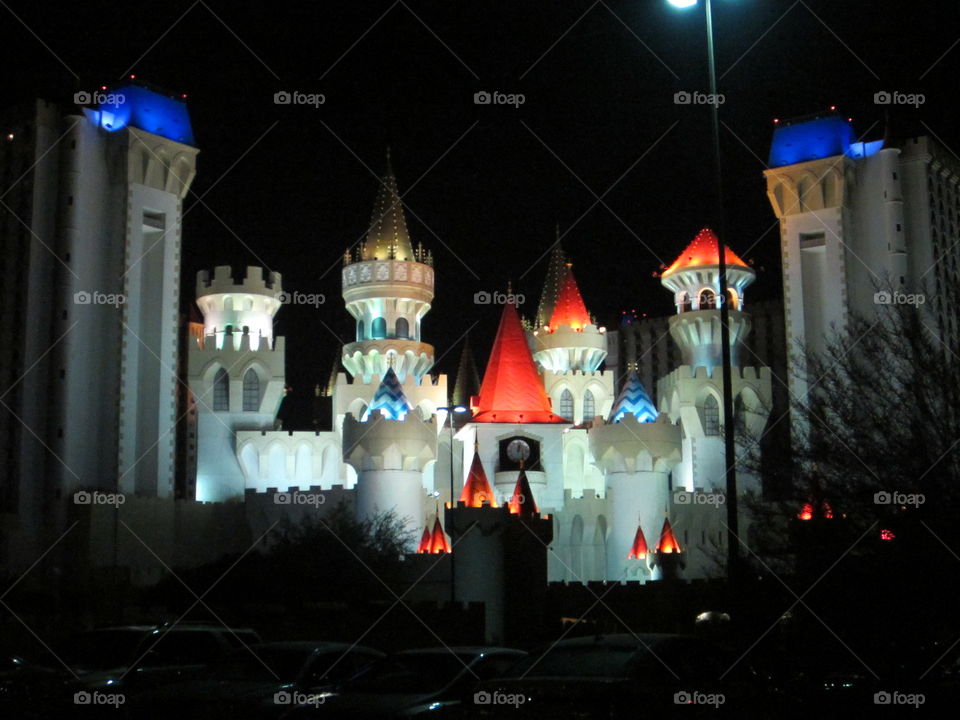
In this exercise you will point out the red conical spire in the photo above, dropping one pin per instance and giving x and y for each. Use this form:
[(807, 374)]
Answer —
[(424, 546), (438, 540), (570, 309), (511, 390), (476, 491), (703, 251), (638, 551), (668, 541), (522, 502)]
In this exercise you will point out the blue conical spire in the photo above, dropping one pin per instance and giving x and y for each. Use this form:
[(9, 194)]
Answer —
[(633, 399), (389, 398)]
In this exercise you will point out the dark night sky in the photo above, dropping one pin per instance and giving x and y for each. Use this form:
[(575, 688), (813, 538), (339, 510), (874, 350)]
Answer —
[(281, 185)]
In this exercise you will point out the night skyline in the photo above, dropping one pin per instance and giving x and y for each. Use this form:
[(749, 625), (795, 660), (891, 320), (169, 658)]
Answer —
[(291, 187)]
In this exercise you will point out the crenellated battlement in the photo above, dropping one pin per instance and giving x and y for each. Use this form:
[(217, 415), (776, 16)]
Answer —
[(260, 344), (685, 372), (255, 282)]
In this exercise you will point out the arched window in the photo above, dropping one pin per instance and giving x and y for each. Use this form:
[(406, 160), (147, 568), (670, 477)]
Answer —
[(707, 299), (359, 330), (221, 391), (566, 405), (684, 304), (732, 302), (251, 390), (711, 416), (589, 406), (403, 328), (378, 331)]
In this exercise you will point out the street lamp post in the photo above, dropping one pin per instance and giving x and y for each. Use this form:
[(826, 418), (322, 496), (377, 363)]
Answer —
[(450, 410), (729, 442)]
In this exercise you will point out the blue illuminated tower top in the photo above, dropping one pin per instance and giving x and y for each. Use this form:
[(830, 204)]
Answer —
[(816, 137), (137, 106)]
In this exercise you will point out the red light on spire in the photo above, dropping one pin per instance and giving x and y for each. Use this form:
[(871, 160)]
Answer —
[(833, 107), (638, 551), (133, 77), (806, 513), (776, 120)]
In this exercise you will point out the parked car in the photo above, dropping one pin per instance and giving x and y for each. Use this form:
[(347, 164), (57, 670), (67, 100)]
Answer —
[(135, 655), (411, 683), (261, 681), (27, 689), (617, 676)]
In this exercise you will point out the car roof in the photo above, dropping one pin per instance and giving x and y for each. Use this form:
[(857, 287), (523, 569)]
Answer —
[(627, 640), (463, 649), (314, 645)]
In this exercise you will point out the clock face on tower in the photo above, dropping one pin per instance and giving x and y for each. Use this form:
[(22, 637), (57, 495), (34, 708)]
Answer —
[(518, 450)]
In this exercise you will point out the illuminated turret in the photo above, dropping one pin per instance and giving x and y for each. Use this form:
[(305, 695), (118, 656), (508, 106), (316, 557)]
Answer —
[(388, 287)]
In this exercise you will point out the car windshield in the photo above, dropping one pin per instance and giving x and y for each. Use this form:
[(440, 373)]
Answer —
[(412, 673), (588, 661), (102, 649), (265, 664)]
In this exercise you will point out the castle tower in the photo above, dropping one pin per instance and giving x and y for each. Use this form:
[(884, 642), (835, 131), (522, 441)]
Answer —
[(637, 450), (236, 373), (570, 351), (388, 287), (389, 447), (668, 560), (556, 272)]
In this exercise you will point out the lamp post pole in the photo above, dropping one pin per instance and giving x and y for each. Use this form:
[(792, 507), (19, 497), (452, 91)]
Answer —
[(450, 410)]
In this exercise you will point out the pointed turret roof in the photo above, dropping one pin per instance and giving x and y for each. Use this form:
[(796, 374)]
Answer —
[(387, 236), (389, 398), (638, 551), (556, 272), (512, 390), (476, 491), (438, 540), (633, 400), (468, 378), (703, 251), (668, 541), (569, 308), (424, 546), (522, 502)]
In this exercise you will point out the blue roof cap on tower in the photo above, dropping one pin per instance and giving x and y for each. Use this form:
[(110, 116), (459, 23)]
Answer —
[(818, 138), (633, 399), (134, 105), (389, 398)]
